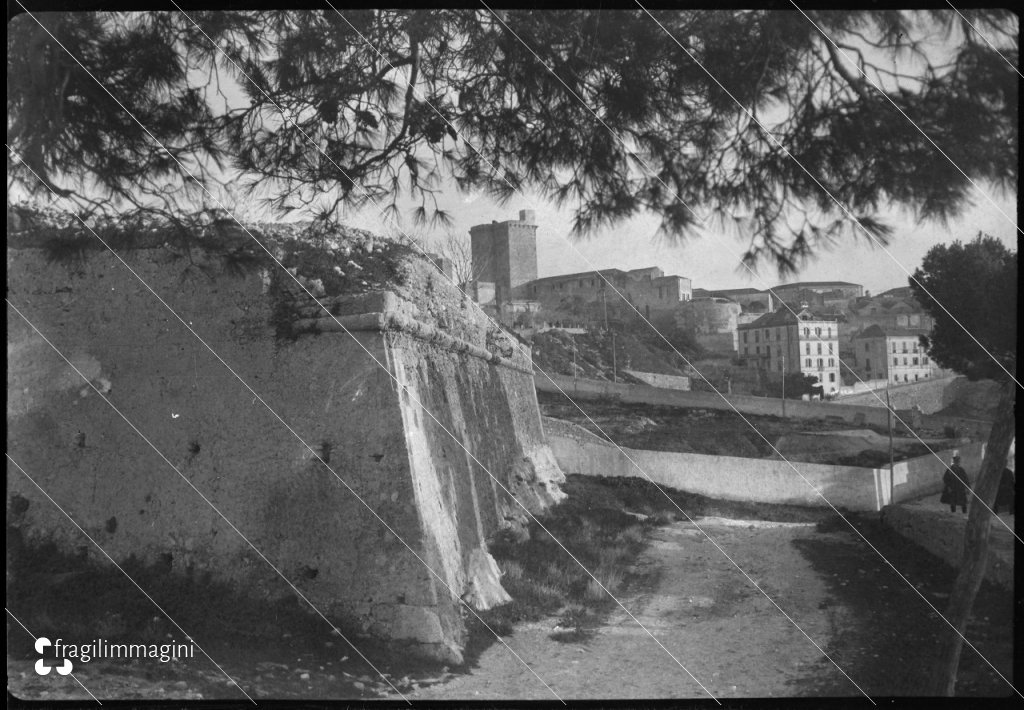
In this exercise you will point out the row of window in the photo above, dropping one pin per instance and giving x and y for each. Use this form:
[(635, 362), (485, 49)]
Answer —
[(821, 366), (778, 334), (914, 361)]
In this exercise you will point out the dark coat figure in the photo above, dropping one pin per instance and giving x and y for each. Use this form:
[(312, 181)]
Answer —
[(1005, 494), (954, 486)]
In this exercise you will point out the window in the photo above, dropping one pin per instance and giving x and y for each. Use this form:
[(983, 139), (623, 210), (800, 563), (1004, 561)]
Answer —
[(831, 377), (819, 348), (915, 360), (895, 361), (894, 346), (821, 364), (830, 331), (924, 360), (867, 364), (904, 361), (757, 336), (807, 348), (778, 334), (915, 377), (830, 352), (768, 350), (904, 346), (808, 361), (581, 283), (906, 378), (831, 362), (867, 347), (746, 350), (766, 334), (757, 349), (744, 336), (807, 332), (817, 331)]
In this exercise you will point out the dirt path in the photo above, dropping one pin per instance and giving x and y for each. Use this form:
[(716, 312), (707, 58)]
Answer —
[(701, 609), (689, 596)]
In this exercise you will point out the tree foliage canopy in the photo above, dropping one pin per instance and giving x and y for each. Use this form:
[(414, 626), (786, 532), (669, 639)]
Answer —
[(400, 103), (977, 283)]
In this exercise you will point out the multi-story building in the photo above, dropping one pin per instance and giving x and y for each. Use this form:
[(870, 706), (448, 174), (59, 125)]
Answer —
[(892, 354), (751, 300), (504, 258), (830, 294), (782, 342), (649, 291)]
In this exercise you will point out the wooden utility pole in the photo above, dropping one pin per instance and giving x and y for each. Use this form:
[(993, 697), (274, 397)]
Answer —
[(783, 386), (615, 375), (888, 406)]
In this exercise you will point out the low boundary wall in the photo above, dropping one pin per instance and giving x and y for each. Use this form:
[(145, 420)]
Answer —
[(579, 388), (754, 480), (674, 382)]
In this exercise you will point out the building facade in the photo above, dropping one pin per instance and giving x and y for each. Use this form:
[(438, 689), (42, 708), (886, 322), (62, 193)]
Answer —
[(892, 354), (782, 342)]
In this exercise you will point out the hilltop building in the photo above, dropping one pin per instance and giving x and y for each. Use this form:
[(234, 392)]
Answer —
[(750, 300), (504, 258), (892, 354), (782, 342), (712, 320)]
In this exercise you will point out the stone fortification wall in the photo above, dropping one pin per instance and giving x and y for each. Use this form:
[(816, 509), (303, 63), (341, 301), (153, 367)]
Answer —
[(361, 420)]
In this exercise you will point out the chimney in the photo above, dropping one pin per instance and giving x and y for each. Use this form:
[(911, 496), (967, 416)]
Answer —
[(527, 216)]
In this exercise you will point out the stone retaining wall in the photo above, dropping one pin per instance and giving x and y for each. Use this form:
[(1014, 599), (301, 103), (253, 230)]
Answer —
[(354, 398)]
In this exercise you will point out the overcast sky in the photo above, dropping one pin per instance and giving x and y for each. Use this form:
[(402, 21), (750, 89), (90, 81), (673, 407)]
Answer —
[(712, 262)]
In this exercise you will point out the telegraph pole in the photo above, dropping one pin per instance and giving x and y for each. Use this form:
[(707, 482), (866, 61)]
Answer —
[(783, 386), (888, 406), (614, 365)]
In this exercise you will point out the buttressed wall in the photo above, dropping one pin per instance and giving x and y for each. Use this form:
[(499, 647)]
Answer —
[(424, 477)]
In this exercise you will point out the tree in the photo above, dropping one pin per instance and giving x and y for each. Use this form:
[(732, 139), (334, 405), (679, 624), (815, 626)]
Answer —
[(977, 283), (393, 100)]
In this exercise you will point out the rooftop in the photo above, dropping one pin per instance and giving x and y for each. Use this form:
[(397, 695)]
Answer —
[(877, 331)]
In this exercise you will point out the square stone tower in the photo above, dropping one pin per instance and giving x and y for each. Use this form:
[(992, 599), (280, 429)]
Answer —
[(505, 254)]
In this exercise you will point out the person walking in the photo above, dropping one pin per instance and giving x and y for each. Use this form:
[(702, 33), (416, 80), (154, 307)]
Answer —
[(955, 484)]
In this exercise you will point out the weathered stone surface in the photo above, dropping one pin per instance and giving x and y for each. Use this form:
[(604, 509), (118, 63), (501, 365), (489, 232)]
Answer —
[(356, 400)]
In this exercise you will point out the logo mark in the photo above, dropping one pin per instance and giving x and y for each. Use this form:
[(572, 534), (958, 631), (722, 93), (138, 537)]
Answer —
[(42, 668)]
